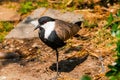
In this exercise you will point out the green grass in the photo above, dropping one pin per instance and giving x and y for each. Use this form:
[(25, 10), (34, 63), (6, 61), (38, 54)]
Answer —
[(43, 3), (114, 72), (86, 77), (90, 25), (5, 27), (26, 7)]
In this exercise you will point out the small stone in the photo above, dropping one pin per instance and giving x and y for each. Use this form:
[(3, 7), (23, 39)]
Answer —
[(20, 41), (114, 63), (3, 78), (6, 47), (12, 46), (17, 48), (30, 49), (11, 49), (35, 45), (2, 55)]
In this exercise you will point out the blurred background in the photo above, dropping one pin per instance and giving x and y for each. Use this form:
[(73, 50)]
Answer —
[(22, 8), (100, 37)]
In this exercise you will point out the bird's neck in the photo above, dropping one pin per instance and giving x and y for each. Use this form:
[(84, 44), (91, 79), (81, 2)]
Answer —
[(48, 27)]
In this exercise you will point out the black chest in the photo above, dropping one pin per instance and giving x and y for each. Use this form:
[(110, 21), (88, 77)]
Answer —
[(52, 41)]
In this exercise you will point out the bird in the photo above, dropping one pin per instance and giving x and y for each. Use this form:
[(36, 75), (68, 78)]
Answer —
[(54, 32)]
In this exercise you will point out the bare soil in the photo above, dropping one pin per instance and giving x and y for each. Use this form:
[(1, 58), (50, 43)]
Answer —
[(31, 59)]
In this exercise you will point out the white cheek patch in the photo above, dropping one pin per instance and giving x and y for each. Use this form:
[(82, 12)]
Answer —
[(35, 23), (49, 27)]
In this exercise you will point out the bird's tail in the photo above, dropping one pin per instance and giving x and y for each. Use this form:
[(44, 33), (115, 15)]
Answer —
[(78, 23)]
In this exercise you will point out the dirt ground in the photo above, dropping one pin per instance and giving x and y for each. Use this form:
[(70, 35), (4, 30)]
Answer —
[(89, 53), (30, 59)]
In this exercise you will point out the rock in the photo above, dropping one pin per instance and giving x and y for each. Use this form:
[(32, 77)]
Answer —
[(7, 14), (66, 16), (25, 29)]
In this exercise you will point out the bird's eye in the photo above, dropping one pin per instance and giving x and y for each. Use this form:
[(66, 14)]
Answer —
[(44, 21)]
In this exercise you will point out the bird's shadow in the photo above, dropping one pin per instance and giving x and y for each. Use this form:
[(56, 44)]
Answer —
[(68, 64), (12, 57)]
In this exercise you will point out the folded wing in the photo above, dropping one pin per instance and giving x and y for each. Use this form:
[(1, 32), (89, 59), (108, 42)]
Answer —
[(66, 30)]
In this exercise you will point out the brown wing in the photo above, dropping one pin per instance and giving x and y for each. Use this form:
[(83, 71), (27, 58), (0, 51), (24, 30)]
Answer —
[(65, 30)]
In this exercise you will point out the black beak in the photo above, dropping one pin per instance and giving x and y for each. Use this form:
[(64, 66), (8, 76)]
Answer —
[(38, 26)]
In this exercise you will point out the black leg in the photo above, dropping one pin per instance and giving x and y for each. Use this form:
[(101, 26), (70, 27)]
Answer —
[(57, 75), (57, 56)]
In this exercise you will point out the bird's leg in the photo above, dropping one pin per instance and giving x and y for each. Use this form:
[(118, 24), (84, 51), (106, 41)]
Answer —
[(57, 56), (57, 75)]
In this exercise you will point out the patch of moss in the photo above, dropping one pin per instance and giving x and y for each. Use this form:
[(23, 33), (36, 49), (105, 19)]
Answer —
[(26, 7), (5, 27)]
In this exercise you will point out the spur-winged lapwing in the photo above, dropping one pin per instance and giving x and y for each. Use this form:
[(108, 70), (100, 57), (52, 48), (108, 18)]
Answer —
[(54, 32)]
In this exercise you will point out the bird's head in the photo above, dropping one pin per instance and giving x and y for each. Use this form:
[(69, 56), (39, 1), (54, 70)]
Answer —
[(41, 21)]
